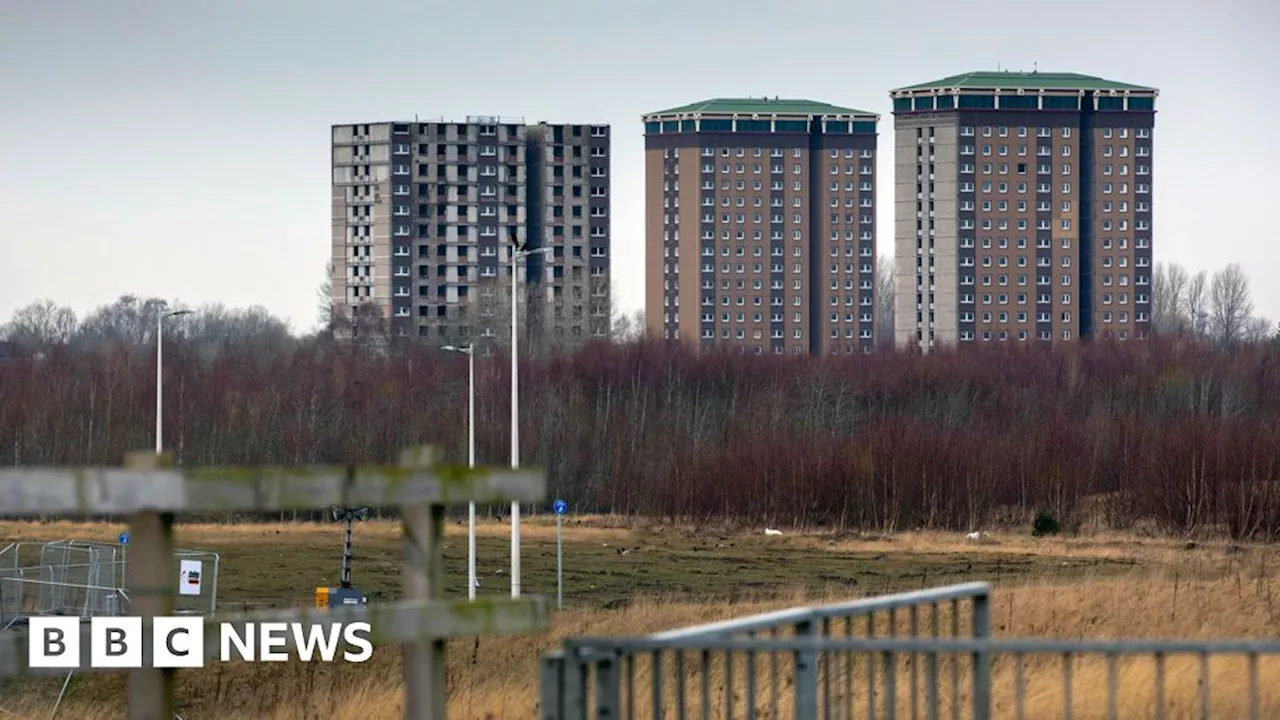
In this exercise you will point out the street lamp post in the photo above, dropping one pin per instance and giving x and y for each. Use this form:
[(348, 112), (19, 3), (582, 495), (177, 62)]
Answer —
[(518, 252), (160, 318), (469, 351)]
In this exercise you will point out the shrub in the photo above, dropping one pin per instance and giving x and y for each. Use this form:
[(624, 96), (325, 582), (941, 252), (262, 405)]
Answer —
[(1045, 524)]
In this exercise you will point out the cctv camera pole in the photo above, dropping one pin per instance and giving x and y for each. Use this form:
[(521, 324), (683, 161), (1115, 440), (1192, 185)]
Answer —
[(344, 593), (349, 518)]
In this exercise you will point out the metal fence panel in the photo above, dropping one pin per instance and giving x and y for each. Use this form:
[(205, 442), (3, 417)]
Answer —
[(1029, 679), (204, 601), (885, 658), (88, 581), (756, 677)]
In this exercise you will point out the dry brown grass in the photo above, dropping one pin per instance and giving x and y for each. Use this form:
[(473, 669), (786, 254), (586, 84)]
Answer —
[(619, 531), (1166, 589)]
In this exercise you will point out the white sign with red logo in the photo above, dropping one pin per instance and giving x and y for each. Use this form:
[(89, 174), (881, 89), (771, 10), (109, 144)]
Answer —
[(189, 578)]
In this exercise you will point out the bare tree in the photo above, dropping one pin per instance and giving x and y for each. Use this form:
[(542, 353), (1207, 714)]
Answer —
[(489, 323), (885, 299), (40, 324), (370, 325), (1169, 298), (1256, 330), (559, 321), (128, 319), (1230, 304), (213, 327), (628, 326), (624, 327), (324, 298), (1196, 300), (483, 317), (602, 307)]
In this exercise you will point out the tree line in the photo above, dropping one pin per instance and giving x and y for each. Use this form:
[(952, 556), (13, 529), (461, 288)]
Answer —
[(1216, 306), (1176, 433)]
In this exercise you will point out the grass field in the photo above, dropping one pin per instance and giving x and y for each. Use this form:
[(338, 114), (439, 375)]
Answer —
[(1097, 586)]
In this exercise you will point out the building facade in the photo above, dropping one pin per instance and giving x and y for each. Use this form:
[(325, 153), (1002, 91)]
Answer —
[(760, 226), (426, 215), (1022, 209)]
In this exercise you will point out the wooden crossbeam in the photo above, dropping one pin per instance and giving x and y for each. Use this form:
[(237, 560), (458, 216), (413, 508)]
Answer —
[(115, 491)]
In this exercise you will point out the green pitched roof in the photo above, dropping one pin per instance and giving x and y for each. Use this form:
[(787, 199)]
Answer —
[(1007, 79), (763, 106)]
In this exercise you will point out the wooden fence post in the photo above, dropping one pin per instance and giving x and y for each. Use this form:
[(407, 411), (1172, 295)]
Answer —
[(424, 660), (150, 583)]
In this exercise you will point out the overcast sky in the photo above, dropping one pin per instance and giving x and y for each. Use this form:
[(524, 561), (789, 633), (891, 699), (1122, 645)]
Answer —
[(181, 149)]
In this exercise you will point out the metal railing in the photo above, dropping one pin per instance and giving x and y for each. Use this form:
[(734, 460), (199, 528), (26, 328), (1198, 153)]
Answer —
[(204, 600), (911, 655), (92, 588), (26, 590), (149, 491), (99, 561), (586, 679), (22, 598)]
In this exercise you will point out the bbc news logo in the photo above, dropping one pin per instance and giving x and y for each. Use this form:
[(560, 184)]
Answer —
[(179, 642)]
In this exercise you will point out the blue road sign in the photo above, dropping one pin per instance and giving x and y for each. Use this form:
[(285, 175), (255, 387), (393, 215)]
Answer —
[(124, 538), (560, 507)]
